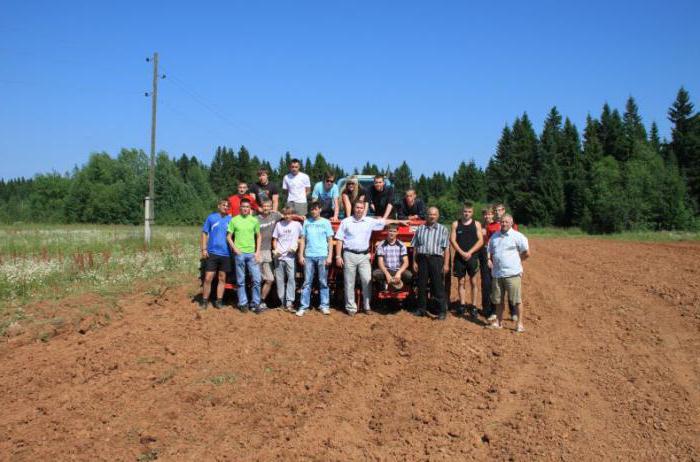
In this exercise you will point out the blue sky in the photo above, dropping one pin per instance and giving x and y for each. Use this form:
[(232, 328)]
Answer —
[(432, 83)]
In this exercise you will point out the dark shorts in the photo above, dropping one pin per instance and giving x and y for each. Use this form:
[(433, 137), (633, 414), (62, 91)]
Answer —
[(463, 267), (217, 263)]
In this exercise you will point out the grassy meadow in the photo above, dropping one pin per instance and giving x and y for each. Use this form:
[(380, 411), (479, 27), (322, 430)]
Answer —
[(39, 262)]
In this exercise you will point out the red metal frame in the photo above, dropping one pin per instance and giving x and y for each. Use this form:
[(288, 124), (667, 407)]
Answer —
[(405, 235)]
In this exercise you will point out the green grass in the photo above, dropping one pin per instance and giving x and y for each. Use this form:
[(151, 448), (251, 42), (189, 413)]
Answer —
[(641, 236), (222, 379), (39, 262)]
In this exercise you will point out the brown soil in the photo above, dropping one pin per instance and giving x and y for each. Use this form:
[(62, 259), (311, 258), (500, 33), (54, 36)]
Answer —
[(608, 369)]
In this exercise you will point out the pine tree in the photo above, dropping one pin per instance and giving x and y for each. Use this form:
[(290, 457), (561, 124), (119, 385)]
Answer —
[(422, 188), (548, 186), (632, 125), (183, 165), (222, 172), (498, 171), (692, 171), (402, 178), (370, 169), (684, 142), (612, 135), (469, 182), (320, 167), (592, 145), (524, 146), (654, 140), (679, 115), (574, 175), (246, 170)]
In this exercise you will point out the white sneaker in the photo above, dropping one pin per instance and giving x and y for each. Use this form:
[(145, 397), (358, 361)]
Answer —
[(492, 318), (326, 310), (300, 312)]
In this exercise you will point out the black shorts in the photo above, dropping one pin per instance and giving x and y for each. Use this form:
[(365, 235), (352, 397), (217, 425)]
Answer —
[(463, 267), (217, 263)]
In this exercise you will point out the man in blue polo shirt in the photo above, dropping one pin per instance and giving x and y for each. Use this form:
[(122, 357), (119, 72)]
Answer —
[(216, 253)]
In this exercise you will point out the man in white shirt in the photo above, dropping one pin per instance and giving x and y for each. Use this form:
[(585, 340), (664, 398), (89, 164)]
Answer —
[(506, 250), (352, 254), (298, 185)]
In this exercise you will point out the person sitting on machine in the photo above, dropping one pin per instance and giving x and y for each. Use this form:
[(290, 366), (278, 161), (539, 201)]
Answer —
[(392, 262), (411, 207)]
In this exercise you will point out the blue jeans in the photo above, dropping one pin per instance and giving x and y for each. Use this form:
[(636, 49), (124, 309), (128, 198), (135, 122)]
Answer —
[(247, 259), (311, 266)]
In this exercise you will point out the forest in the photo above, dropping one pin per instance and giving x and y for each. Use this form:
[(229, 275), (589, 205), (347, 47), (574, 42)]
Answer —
[(615, 175)]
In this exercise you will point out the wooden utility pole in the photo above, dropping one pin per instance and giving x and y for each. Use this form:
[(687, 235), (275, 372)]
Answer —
[(149, 209)]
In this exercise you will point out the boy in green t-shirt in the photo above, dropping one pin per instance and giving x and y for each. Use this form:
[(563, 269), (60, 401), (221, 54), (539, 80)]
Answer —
[(243, 237)]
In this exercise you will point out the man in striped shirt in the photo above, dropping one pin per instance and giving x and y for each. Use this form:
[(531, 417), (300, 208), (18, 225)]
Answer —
[(431, 262)]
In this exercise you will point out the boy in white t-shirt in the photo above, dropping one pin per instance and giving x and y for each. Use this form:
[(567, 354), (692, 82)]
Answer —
[(298, 186), (285, 242)]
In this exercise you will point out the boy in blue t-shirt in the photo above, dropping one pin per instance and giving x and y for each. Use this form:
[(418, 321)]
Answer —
[(315, 252), (216, 253)]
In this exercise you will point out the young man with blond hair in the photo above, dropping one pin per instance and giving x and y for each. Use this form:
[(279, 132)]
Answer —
[(285, 243)]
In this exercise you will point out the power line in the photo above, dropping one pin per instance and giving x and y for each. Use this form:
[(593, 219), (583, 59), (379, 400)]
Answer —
[(72, 88), (202, 101)]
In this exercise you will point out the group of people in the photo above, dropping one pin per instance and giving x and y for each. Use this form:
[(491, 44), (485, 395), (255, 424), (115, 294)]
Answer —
[(266, 245)]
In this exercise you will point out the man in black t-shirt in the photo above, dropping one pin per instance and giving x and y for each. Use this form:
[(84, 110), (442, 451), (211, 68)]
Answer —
[(264, 190), (380, 198), (411, 207)]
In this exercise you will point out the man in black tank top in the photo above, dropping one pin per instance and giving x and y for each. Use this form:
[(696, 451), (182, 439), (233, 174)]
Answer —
[(466, 239)]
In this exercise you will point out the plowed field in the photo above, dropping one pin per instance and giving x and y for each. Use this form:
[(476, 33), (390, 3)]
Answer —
[(609, 369)]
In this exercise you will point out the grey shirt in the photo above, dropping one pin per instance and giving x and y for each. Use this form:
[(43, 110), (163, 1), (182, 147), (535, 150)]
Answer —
[(431, 239), (267, 224)]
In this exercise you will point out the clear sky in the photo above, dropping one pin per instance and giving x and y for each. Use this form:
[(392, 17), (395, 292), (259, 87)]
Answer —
[(432, 83)]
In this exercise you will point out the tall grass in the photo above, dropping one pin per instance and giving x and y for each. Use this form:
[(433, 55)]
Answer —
[(54, 261)]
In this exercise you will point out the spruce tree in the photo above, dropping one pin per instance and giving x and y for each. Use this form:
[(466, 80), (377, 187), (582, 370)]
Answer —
[(612, 135), (498, 171), (684, 146), (524, 146), (592, 144), (402, 178), (469, 182), (632, 122), (654, 140), (548, 186), (574, 175), (679, 115), (246, 170)]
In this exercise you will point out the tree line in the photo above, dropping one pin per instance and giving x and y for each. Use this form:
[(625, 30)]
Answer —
[(616, 176)]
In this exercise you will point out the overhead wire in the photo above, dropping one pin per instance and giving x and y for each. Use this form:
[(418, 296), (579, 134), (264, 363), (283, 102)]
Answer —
[(203, 102)]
